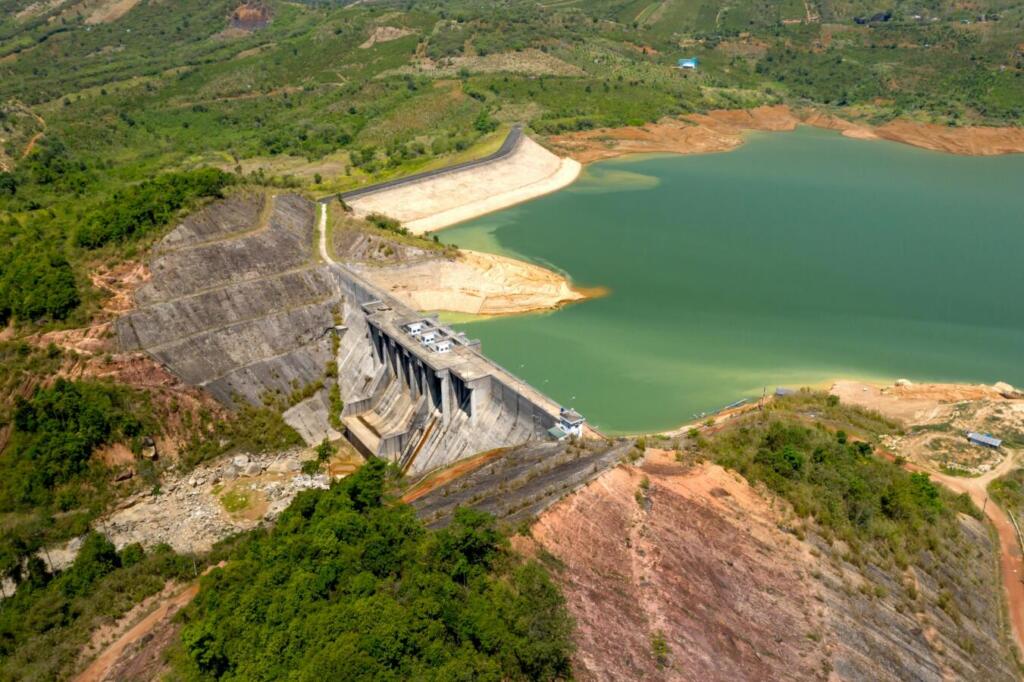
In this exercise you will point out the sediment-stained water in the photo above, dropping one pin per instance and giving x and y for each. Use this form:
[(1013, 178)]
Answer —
[(798, 258)]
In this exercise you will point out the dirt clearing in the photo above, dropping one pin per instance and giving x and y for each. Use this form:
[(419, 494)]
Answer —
[(109, 10)]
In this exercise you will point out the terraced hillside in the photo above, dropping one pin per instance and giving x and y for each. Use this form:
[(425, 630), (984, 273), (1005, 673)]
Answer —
[(237, 305)]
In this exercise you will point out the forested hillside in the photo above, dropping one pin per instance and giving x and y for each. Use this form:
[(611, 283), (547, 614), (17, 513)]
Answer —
[(349, 585)]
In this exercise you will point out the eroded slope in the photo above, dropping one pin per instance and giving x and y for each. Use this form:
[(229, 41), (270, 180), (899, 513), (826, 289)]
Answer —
[(689, 573)]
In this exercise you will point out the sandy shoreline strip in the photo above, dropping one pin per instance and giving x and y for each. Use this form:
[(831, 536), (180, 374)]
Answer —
[(477, 283)]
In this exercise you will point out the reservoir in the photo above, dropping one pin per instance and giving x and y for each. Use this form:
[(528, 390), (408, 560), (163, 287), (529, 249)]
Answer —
[(796, 259)]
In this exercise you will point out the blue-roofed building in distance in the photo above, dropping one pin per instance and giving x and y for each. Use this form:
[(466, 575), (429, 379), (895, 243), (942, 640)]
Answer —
[(687, 63), (984, 439)]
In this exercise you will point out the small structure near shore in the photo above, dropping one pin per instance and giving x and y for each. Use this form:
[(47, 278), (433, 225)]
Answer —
[(570, 424)]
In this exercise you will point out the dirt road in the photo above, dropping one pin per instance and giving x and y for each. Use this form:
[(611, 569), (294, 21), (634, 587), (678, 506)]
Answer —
[(102, 665), (1011, 561), (930, 403), (31, 145)]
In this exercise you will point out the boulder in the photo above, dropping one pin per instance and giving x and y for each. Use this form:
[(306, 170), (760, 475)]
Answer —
[(1006, 390), (279, 467), (253, 469), (240, 461)]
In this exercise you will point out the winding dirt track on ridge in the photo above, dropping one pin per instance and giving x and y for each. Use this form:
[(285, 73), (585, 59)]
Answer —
[(31, 145), (914, 405), (1011, 561), (102, 665)]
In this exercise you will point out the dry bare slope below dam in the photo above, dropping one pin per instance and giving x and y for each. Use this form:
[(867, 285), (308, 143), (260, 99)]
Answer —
[(715, 566)]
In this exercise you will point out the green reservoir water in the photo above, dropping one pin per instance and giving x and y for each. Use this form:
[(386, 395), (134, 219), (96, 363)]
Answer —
[(798, 258)]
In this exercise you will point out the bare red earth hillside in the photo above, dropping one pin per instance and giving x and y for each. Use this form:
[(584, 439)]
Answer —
[(677, 572), (250, 16)]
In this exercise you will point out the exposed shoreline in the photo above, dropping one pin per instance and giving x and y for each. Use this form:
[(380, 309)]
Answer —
[(724, 130), (948, 391), (476, 287), (477, 283)]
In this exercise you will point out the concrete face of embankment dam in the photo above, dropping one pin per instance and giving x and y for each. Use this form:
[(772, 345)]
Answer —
[(521, 170), (238, 305)]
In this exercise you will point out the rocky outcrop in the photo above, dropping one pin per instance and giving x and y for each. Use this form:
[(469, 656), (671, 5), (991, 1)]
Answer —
[(250, 16)]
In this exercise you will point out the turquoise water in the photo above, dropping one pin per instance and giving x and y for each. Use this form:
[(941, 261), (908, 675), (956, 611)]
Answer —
[(798, 258)]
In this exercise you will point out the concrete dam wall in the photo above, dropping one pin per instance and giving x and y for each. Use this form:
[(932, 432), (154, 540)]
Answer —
[(239, 305), (519, 171)]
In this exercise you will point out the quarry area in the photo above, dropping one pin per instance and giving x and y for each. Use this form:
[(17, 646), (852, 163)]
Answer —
[(938, 415), (519, 171)]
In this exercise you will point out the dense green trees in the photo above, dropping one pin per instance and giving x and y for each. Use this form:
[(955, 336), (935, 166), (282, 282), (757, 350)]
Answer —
[(350, 586), (52, 487), (36, 277), (8, 185), (55, 432), (137, 209), (1009, 491), (50, 617), (36, 283), (839, 482)]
